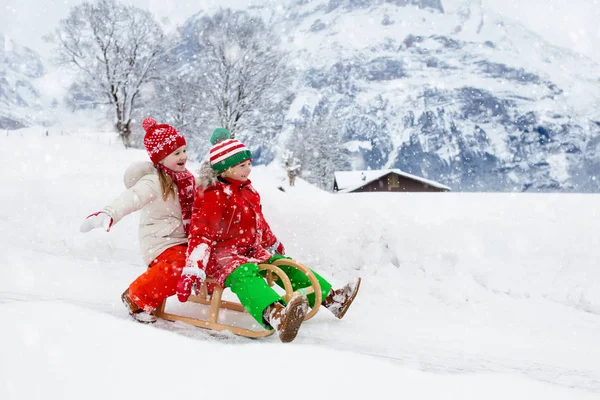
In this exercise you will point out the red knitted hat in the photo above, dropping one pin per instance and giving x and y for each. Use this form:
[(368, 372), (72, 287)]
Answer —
[(160, 140)]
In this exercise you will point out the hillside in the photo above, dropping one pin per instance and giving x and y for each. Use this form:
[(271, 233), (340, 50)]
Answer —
[(465, 295)]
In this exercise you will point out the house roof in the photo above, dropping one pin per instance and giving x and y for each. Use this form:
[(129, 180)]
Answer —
[(348, 181)]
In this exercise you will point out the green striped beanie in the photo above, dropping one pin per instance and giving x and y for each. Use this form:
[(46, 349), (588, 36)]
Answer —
[(226, 152)]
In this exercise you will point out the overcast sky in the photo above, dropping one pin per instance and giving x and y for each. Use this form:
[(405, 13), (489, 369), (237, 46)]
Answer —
[(568, 23)]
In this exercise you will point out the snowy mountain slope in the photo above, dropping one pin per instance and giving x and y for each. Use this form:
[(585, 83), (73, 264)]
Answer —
[(444, 89), (489, 294), (20, 102), (453, 93)]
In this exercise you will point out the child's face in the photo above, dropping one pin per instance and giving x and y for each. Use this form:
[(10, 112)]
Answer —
[(239, 172), (176, 160)]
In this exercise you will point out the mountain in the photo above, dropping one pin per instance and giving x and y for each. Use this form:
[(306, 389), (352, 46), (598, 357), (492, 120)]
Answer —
[(20, 103), (444, 90)]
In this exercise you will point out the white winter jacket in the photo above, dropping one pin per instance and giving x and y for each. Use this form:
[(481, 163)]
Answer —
[(161, 224)]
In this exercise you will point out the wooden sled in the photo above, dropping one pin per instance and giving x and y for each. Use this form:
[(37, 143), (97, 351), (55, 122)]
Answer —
[(215, 302)]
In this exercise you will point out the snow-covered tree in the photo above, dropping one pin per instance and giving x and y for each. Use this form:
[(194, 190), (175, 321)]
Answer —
[(242, 73), (113, 47), (317, 146), (176, 99)]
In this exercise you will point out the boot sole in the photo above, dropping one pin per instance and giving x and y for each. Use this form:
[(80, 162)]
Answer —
[(297, 308), (139, 315), (144, 319), (352, 297)]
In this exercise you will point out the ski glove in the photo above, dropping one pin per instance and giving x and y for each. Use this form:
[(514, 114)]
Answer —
[(96, 220), (277, 248), (190, 280)]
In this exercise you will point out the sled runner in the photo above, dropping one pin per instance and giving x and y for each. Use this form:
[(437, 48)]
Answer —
[(215, 302)]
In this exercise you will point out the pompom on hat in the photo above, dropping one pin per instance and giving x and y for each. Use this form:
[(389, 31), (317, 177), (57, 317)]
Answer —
[(226, 152), (160, 139)]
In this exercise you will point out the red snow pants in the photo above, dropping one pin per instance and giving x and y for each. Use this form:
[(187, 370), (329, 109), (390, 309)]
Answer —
[(160, 280)]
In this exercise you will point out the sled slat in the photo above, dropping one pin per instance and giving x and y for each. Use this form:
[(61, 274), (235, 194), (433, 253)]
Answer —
[(216, 326), (215, 303)]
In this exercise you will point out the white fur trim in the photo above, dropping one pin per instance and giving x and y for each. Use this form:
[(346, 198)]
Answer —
[(201, 254), (195, 271), (206, 175), (136, 171)]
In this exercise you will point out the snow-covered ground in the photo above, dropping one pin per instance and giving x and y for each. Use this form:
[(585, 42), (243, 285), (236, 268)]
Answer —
[(464, 296)]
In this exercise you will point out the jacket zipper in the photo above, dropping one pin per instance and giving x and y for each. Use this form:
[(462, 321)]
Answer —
[(231, 220)]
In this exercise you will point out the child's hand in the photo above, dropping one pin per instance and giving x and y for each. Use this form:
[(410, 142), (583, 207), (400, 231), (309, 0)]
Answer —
[(280, 249), (190, 280), (277, 248), (96, 220)]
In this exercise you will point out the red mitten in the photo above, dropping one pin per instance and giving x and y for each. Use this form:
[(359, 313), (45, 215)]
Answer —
[(280, 249), (190, 280), (276, 248), (96, 220)]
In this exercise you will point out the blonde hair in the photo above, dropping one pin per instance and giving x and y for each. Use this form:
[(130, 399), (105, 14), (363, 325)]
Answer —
[(224, 173), (167, 186)]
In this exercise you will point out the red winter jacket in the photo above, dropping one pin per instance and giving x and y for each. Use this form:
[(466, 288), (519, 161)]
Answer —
[(228, 219)]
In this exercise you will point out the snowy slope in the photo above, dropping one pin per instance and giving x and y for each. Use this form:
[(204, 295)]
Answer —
[(465, 296)]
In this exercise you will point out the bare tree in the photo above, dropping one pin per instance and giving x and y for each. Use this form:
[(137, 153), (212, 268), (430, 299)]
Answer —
[(243, 71), (177, 101), (317, 146), (114, 48)]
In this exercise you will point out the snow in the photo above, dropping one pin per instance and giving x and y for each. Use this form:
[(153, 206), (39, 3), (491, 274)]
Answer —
[(567, 23), (464, 296), (559, 167), (307, 97), (200, 253), (96, 356), (356, 145)]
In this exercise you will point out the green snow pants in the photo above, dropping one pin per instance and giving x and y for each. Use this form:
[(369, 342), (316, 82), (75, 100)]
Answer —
[(248, 283), (299, 280), (252, 291)]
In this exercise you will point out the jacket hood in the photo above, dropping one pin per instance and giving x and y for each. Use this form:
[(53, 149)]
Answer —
[(206, 176), (136, 171)]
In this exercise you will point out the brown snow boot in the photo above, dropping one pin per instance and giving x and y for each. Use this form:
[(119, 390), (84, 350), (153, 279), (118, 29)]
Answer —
[(136, 312), (286, 320), (338, 301)]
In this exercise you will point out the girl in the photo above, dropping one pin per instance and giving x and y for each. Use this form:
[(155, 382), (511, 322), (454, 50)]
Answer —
[(164, 192), (229, 236)]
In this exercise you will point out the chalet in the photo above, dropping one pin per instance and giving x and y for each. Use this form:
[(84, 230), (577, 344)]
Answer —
[(389, 180)]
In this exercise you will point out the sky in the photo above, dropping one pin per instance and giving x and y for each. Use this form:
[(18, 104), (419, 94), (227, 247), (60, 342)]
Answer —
[(464, 296), (567, 23)]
